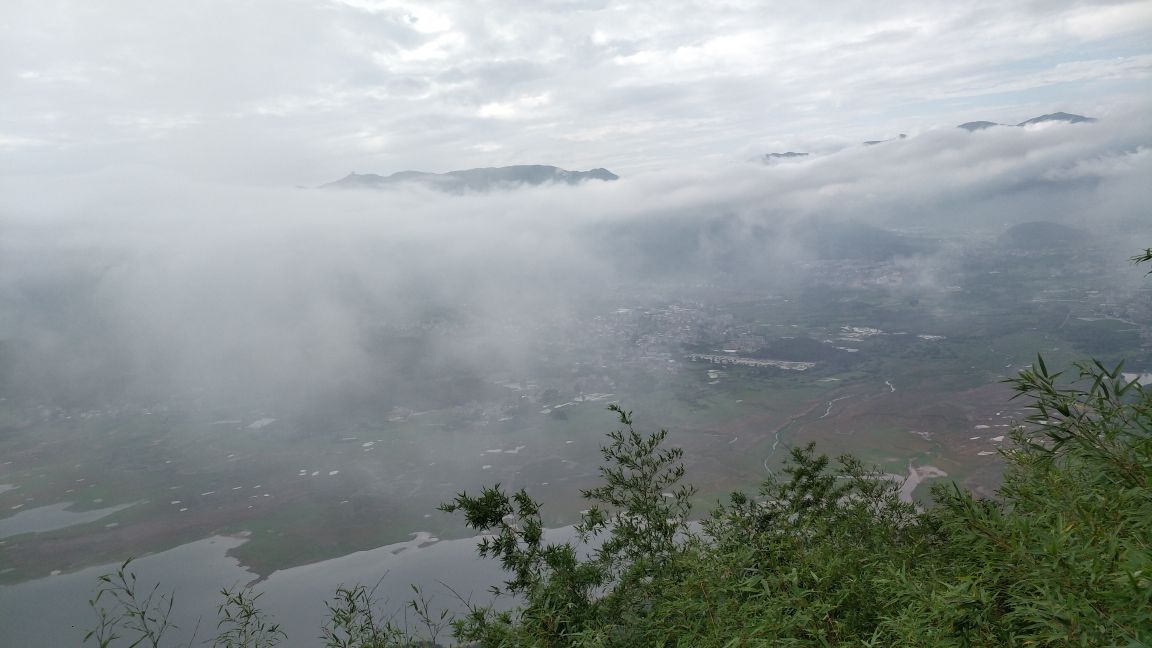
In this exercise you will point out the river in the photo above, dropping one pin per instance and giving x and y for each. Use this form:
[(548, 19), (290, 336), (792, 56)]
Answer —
[(53, 611)]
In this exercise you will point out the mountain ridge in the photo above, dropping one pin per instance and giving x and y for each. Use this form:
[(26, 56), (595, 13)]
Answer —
[(971, 126), (1061, 116), (480, 179)]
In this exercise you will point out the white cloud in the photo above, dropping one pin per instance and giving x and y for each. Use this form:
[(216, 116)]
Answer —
[(1105, 21), (14, 142), (517, 108), (632, 85), (423, 19), (154, 125)]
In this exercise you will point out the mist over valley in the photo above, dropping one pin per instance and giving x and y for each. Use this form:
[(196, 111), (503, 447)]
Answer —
[(363, 356), (222, 352)]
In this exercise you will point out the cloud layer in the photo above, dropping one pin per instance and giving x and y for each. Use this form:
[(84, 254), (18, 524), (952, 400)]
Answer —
[(303, 91), (204, 290)]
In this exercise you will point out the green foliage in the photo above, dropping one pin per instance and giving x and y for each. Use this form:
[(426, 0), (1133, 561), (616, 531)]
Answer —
[(648, 508), (242, 624), (355, 621), (1064, 556), (141, 618), (1143, 257), (828, 555), (639, 519), (142, 615), (802, 564)]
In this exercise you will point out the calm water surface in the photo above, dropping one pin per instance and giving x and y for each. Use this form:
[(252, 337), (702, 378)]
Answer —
[(52, 612), (52, 517)]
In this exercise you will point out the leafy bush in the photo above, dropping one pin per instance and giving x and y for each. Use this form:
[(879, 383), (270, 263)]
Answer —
[(829, 555)]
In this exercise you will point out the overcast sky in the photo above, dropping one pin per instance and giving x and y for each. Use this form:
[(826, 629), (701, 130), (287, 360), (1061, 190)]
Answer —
[(280, 92)]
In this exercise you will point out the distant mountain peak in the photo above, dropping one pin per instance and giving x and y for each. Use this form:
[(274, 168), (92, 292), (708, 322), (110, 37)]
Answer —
[(477, 180), (978, 125), (875, 142), (1051, 117), (768, 158), (1058, 116)]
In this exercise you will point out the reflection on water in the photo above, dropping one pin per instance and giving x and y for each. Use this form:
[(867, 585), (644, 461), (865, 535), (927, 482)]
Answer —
[(52, 517), (53, 611), (7, 487)]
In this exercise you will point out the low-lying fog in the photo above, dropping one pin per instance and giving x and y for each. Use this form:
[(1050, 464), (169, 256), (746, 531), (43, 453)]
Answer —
[(133, 285)]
